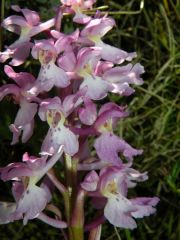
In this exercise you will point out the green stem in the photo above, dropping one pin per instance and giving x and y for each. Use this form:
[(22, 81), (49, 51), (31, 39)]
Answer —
[(77, 219), (67, 202), (73, 212), (68, 195)]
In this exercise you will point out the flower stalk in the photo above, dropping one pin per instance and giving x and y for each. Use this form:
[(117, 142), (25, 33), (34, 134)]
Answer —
[(77, 219)]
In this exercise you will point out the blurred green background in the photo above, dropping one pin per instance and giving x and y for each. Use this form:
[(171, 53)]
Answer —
[(153, 125)]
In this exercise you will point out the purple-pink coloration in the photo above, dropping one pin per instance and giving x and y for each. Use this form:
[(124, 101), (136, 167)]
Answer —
[(25, 26), (24, 121), (108, 146), (112, 184), (30, 198), (77, 6), (77, 71)]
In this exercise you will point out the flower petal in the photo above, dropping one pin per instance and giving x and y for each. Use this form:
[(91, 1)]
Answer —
[(121, 77), (24, 120), (113, 54), (60, 136), (73, 101), (90, 182), (51, 221), (109, 112), (9, 89), (109, 145), (81, 18), (14, 20), (88, 55), (48, 104), (6, 209), (15, 170), (145, 206), (88, 114), (67, 61), (21, 52), (97, 87), (50, 75), (118, 210), (21, 78), (27, 131), (98, 27), (32, 202), (32, 17)]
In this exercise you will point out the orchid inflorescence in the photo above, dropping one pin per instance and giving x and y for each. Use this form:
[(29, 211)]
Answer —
[(80, 69)]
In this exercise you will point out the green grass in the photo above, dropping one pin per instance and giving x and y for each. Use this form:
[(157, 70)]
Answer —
[(153, 124)]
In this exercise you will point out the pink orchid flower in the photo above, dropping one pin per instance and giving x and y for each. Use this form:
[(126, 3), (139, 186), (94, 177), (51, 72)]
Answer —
[(24, 121), (55, 113), (77, 6), (30, 198), (95, 30), (121, 77), (50, 74), (108, 146), (87, 58), (26, 26), (112, 184)]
